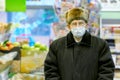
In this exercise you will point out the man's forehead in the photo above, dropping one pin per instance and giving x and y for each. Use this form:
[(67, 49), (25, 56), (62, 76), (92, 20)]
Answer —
[(78, 21)]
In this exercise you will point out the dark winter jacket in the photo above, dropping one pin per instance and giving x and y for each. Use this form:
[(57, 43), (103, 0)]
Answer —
[(88, 60)]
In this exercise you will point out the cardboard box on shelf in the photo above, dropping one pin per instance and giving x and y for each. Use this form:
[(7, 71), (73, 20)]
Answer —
[(32, 61)]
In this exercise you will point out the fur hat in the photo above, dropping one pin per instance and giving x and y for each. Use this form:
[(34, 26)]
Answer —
[(76, 14)]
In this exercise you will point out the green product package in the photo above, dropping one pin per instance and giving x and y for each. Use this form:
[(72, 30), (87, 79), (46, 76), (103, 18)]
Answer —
[(15, 5)]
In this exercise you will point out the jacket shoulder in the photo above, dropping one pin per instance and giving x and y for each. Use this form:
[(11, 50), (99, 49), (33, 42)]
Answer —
[(59, 42), (98, 41), (98, 38)]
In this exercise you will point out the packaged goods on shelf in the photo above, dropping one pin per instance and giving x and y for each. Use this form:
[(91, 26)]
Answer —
[(32, 61), (32, 58), (4, 31)]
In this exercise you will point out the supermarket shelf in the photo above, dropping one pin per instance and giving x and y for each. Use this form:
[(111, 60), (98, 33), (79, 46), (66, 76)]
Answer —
[(109, 38), (111, 25), (117, 67), (114, 51), (40, 7), (41, 4), (112, 37)]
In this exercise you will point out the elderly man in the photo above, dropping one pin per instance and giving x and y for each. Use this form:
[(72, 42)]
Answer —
[(78, 55)]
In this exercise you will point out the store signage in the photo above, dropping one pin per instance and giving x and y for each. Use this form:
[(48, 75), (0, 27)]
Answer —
[(33, 0), (110, 5), (40, 2), (12, 5)]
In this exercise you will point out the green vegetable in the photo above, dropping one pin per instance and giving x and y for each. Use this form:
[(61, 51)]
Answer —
[(11, 75), (4, 43)]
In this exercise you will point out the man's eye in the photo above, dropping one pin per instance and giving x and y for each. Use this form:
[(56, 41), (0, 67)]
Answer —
[(80, 23), (73, 23)]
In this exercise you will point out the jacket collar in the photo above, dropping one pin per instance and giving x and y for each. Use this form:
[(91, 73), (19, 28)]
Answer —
[(86, 40)]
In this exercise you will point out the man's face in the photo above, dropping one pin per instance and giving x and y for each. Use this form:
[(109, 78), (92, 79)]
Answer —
[(77, 23)]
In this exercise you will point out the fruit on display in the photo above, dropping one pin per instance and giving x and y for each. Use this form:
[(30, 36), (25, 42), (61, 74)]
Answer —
[(6, 45), (4, 48), (43, 48), (36, 47), (25, 46), (40, 46), (37, 44), (16, 44)]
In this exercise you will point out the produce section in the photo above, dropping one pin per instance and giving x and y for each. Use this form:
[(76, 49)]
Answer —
[(28, 63)]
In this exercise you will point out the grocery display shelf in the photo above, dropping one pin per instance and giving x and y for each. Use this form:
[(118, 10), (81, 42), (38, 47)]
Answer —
[(39, 7), (116, 78), (117, 67)]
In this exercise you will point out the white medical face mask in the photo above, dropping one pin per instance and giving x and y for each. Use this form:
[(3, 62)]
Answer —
[(78, 31)]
